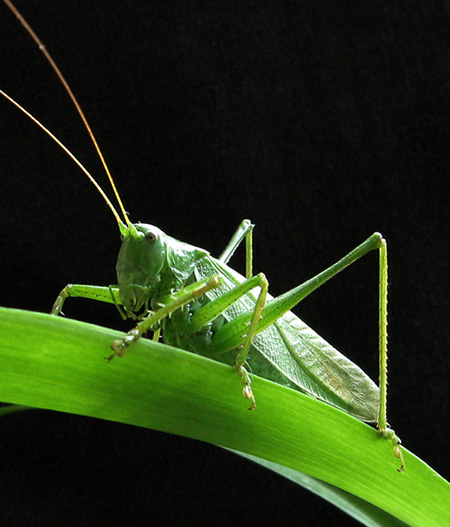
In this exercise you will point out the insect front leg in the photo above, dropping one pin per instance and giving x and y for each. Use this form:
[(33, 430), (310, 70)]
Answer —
[(177, 300), (103, 294)]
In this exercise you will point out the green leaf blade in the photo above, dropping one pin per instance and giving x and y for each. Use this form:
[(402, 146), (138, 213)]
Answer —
[(58, 364)]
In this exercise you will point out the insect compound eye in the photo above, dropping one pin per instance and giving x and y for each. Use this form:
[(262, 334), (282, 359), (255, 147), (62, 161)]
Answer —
[(151, 236)]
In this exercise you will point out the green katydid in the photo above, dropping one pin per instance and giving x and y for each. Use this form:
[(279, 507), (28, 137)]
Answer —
[(200, 304)]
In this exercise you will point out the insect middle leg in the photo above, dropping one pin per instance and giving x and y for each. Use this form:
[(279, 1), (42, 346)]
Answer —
[(246, 332)]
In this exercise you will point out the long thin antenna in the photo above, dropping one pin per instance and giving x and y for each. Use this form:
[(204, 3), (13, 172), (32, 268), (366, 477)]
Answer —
[(68, 152), (77, 106)]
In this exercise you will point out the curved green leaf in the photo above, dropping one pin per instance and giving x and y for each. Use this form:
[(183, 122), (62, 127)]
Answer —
[(58, 364)]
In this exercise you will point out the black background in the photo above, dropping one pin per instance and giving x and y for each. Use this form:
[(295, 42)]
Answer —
[(322, 122)]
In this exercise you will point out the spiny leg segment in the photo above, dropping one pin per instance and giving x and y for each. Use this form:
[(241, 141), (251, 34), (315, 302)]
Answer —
[(277, 307), (382, 424), (151, 321)]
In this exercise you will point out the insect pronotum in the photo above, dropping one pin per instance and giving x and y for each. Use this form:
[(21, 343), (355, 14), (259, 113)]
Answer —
[(200, 304)]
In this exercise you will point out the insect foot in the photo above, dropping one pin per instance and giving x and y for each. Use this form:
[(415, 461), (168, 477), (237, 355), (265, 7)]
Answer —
[(397, 449), (59, 302), (120, 346), (247, 391)]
